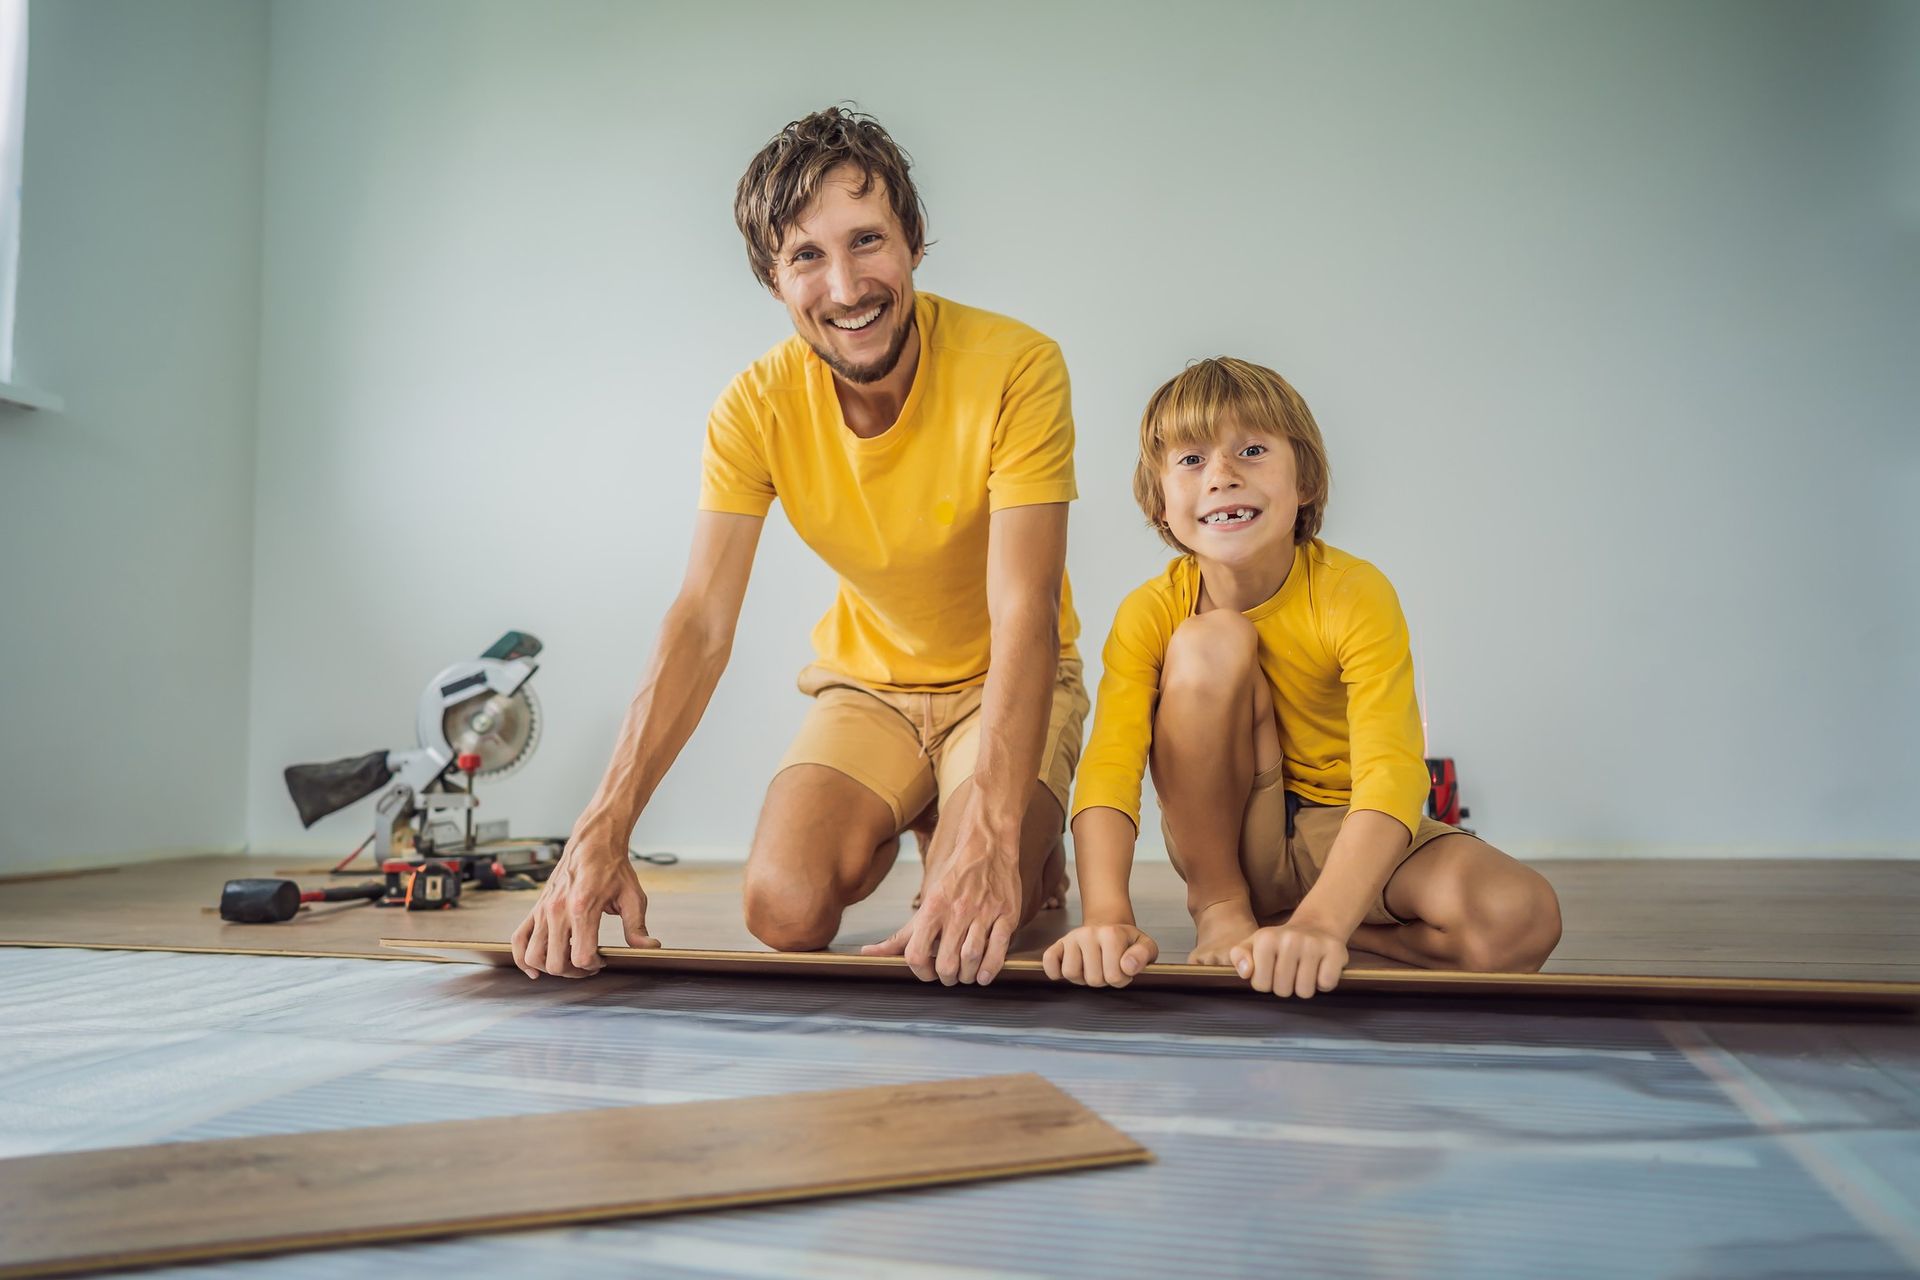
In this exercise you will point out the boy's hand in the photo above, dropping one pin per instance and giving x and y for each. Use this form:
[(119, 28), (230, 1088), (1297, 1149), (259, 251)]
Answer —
[(1100, 955), (1291, 959)]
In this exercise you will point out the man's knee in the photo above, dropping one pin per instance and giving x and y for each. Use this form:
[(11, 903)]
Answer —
[(1210, 654), (1512, 924), (788, 911), (814, 852)]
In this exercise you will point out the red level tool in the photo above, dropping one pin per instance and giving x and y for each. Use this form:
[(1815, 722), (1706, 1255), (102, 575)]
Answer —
[(1443, 797)]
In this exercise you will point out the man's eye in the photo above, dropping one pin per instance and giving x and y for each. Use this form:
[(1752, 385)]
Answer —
[(805, 255), (869, 239)]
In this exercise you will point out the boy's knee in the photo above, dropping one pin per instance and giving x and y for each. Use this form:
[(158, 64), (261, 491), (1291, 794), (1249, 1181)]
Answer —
[(1211, 651), (788, 913), (1513, 925)]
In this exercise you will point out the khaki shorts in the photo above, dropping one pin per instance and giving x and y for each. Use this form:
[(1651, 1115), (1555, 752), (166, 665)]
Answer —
[(911, 749), (1280, 869)]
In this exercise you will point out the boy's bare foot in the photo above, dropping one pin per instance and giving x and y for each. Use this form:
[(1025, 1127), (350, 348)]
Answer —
[(1219, 928)]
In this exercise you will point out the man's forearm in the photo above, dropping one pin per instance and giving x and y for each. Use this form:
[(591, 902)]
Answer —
[(1363, 858), (1103, 841), (1013, 715), (686, 665)]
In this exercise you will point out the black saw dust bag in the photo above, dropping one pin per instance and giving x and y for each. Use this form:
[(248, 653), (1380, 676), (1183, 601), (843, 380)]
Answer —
[(320, 789)]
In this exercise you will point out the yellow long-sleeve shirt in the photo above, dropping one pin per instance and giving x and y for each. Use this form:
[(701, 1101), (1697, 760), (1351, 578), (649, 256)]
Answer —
[(1333, 646)]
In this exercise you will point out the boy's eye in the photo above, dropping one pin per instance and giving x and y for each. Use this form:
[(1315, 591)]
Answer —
[(1187, 460), (1253, 451)]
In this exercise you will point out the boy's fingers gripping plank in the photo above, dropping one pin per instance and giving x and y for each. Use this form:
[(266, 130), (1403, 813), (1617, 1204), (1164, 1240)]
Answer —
[(1100, 955), (1124, 951), (1291, 961), (1142, 952)]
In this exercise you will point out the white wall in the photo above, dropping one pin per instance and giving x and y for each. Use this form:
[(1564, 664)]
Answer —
[(126, 520), (1607, 312)]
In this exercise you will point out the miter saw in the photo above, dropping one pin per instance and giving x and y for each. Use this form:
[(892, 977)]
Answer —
[(478, 719)]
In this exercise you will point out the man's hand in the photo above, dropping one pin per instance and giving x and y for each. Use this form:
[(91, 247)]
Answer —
[(1291, 959), (561, 935), (968, 915), (1100, 955)]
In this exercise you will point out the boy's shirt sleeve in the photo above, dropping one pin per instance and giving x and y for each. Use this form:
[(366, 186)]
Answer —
[(1115, 760), (734, 474), (1386, 744), (1032, 458)]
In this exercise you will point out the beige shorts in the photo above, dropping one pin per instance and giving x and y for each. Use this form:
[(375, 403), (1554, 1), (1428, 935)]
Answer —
[(1280, 869), (911, 749)]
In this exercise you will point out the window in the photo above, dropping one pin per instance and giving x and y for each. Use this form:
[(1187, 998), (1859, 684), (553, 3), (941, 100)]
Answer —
[(13, 112)]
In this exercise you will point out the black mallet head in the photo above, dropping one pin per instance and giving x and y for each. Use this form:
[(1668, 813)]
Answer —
[(259, 901)]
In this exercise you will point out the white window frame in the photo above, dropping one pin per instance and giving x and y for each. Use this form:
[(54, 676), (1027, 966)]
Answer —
[(13, 116)]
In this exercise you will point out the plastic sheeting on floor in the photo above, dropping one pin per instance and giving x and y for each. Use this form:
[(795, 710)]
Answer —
[(1337, 1137)]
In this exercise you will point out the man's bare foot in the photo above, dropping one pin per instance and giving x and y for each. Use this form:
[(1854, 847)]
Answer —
[(883, 859), (1053, 878), (1219, 928), (922, 828)]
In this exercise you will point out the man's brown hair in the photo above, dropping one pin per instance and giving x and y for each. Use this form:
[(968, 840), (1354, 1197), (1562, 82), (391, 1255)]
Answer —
[(782, 181), (1208, 399)]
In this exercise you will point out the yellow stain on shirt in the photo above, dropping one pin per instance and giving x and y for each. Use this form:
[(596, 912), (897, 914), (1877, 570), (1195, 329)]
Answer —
[(943, 511)]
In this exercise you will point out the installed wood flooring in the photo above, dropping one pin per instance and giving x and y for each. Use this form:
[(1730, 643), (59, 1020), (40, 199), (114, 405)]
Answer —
[(1705, 918)]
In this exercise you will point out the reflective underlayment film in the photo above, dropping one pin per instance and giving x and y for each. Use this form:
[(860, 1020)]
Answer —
[(1341, 1137)]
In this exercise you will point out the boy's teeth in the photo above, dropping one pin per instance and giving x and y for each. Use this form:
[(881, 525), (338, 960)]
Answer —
[(1222, 517)]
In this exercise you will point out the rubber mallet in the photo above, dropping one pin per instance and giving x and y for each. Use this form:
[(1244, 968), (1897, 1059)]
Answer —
[(271, 901)]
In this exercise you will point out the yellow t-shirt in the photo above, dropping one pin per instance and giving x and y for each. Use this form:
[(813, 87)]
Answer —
[(902, 517), (1333, 645)]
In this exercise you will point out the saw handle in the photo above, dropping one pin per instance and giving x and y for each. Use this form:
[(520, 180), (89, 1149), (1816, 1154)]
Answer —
[(514, 644), (320, 789)]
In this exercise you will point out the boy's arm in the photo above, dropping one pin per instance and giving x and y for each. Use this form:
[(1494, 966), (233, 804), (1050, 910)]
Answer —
[(1103, 841), (1114, 764), (1108, 948), (1309, 952), (1366, 853), (1385, 750), (1386, 753)]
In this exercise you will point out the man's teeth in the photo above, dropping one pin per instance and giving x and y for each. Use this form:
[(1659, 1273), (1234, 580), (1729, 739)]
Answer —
[(854, 323), (1239, 515)]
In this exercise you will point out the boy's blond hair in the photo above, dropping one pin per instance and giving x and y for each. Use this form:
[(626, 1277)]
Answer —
[(1202, 403)]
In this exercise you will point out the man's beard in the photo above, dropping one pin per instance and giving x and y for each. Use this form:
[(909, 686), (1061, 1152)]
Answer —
[(863, 374)]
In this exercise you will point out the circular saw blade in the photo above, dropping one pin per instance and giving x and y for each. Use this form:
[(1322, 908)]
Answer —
[(500, 728)]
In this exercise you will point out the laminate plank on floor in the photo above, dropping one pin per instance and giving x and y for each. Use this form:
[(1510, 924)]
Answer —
[(1725, 989), (178, 1202)]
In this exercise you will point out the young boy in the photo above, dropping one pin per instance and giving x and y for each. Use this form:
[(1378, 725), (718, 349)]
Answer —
[(1266, 678)]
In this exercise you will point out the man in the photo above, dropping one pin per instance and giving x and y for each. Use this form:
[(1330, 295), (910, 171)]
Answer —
[(925, 451)]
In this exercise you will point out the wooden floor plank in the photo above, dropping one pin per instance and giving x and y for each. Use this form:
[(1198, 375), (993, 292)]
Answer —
[(1690, 988), (179, 1202), (1707, 918)]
